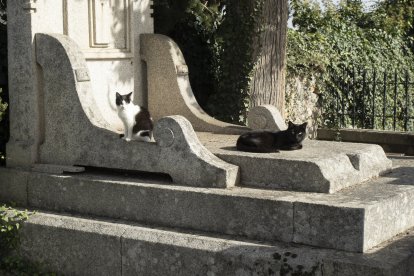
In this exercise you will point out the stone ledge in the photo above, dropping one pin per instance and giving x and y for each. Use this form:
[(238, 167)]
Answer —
[(73, 245), (354, 219), (390, 141), (320, 166)]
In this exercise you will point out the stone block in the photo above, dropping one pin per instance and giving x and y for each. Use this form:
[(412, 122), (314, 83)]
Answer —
[(320, 166), (390, 141), (266, 117), (13, 186), (314, 225), (350, 220), (354, 219), (162, 204), (73, 246), (82, 246), (361, 218)]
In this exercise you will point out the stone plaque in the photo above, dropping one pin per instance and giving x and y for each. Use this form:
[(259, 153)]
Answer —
[(82, 74), (182, 70)]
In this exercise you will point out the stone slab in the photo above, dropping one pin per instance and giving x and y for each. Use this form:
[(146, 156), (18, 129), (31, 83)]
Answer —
[(320, 166), (354, 219), (74, 246), (88, 246), (13, 186), (390, 141), (159, 202)]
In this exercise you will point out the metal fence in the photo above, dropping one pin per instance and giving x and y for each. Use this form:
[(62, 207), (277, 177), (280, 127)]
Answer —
[(370, 99)]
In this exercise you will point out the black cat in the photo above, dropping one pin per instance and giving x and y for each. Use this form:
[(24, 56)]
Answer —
[(273, 141)]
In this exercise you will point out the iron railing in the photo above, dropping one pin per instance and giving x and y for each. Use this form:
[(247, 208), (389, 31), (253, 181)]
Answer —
[(370, 99)]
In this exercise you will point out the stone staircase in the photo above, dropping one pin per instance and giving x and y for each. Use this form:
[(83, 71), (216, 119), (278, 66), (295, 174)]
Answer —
[(92, 228)]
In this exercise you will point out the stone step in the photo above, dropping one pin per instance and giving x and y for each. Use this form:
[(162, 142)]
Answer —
[(90, 246), (320, 166), (354, 219)]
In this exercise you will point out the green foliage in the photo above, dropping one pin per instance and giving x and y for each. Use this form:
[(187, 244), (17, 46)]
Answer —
[(3, 14), (238, 35), (395, 16), (11, 263), (10, 223), (327, 42), (216, 38)]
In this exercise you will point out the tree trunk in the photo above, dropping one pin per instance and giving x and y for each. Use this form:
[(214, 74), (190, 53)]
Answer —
[(268, 79)]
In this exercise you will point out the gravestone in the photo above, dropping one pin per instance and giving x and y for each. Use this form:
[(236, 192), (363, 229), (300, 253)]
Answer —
[(67, 59)]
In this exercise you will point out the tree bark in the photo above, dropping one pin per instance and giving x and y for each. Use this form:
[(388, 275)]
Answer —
[(268, 79)]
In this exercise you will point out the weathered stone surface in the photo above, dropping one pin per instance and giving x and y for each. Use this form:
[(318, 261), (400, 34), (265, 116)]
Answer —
[(163, 204), (73, 246), (390, 141), (50, 168), (171, 94), (354, 219), (79, 246), (13, 186), (265, 117), (23, 82), (302, 102), (77, 134), (320, 166)]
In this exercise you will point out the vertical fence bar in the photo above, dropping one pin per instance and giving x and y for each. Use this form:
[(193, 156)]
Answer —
[(374, 84), (394, 110), (407, 102), (384, 100), (358, 98), (353, 97), (336, 92), (364, 72), (342, 98), (337, 118), (338, 98)]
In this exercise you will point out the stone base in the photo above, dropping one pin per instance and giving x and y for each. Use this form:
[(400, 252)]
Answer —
[(80, 246), (390, 141), (320, 166), (354, 219)]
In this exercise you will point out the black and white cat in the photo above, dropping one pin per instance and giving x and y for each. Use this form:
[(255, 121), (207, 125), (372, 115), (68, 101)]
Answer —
[(273, 141), (137, 121)]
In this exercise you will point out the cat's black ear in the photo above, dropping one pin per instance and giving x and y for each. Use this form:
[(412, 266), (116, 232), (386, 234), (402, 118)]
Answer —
[(118, 99), (290, 124), (304, 125), (129, 95)]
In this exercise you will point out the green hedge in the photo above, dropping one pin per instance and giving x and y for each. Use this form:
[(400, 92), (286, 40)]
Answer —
[(326, 43)]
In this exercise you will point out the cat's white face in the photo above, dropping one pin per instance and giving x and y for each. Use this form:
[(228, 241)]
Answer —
[(123, 101)]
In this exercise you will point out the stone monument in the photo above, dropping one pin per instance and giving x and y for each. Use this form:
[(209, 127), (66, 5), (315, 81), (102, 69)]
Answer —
[(67, 59)]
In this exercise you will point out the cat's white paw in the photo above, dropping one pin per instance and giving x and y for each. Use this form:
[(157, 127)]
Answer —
[(128, 139)]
